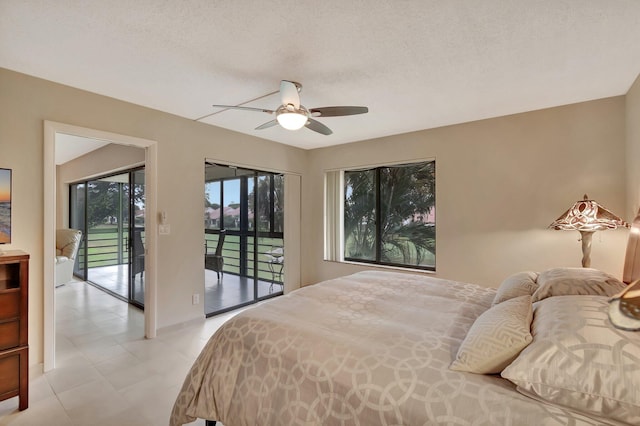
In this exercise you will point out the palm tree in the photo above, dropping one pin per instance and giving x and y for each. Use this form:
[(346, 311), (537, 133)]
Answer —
[(407, 198), (263, 212), (359, 215), (103, 196)]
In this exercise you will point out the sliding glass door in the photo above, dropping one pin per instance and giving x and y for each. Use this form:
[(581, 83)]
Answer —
[(110, 212), (77, 220), (244, 212), (136, 237)]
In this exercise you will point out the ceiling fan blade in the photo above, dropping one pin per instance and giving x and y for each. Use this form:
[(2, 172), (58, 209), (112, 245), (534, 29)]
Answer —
[(338, 111), (317, 126), (289, 93), (267, 125), (268, 111)]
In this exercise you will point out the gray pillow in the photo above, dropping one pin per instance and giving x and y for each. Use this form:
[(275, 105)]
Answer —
[(516, 285), (579, 360), (496, 337), (576, 281)]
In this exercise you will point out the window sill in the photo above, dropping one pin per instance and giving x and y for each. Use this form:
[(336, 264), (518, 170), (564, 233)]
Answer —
[(378, 266)]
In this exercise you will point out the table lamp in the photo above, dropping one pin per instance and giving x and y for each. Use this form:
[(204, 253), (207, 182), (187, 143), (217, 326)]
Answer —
[(587, 217)]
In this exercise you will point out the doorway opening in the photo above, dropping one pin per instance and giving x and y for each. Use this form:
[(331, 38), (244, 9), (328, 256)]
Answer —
[(52, 188), (243, 237)]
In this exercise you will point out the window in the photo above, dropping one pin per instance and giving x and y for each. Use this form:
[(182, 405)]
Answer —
[(389, 215)]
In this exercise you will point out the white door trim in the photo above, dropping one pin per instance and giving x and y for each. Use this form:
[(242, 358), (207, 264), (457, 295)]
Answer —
[(151, 180)]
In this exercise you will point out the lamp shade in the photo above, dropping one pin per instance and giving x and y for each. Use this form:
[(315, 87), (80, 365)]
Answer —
[(589, 216)]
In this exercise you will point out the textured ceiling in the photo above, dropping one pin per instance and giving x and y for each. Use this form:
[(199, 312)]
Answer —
[(416, 64)]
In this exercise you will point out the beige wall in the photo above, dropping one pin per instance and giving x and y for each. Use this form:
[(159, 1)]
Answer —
[(106, 159), (633, 148), (499, 184), (183, 145)]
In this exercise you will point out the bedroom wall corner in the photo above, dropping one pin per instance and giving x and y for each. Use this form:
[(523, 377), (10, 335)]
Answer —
[(500, 183), (632, 111)]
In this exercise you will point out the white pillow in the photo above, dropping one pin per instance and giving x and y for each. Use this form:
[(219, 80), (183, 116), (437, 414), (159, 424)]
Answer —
[(579, 360), (576, 281), (496, 337), (520, 284)]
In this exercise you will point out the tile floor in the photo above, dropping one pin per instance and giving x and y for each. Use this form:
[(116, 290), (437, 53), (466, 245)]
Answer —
[(106, 372)]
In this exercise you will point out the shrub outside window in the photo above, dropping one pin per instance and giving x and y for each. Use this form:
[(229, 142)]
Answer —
[(389, 215)]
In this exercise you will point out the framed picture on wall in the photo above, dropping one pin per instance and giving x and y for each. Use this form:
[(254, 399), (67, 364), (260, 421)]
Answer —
[(5, 206)]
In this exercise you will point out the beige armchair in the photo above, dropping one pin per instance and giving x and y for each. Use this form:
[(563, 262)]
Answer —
[(67, 245)]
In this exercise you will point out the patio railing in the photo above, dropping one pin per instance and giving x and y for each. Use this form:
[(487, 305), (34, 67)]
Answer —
[(107, 248), (267, 270)]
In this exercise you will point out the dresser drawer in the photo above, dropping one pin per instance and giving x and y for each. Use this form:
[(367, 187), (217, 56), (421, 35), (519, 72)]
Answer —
[(9, 304), (9, 375), (9, 334)]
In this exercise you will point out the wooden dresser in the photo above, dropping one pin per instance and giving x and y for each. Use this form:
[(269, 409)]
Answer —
[(14, 338)]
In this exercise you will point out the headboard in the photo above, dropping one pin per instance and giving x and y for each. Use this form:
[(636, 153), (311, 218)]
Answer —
[(631, 270), (624, 308)]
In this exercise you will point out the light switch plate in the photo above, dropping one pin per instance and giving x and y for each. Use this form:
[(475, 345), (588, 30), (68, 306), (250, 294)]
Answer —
[(164, 229)]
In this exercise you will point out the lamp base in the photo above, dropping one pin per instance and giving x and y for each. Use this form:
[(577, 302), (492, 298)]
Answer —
[(587, 236)]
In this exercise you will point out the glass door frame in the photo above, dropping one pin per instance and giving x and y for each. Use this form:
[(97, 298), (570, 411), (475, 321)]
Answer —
[(243, 232), (81, 271), (135, 242)]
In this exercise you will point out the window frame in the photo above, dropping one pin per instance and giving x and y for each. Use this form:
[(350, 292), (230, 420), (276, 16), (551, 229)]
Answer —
[(377, 169)]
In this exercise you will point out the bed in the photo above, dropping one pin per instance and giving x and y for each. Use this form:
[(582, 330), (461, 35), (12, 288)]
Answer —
[(391, 348)]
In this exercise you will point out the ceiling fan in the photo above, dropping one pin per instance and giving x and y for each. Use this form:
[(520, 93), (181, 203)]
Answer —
[(291, 115)]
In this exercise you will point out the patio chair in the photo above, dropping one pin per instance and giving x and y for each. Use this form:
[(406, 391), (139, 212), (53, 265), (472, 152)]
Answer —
[(215, 262), (275, 262), (137, 261)]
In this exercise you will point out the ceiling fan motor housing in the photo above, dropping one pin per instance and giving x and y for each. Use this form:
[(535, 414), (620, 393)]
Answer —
[(292, 118)]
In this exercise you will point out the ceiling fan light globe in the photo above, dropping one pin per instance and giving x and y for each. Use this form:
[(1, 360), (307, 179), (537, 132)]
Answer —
[(291, 120)]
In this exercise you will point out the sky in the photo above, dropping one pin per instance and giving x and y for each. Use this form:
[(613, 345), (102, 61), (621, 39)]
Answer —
[(231, 191), (5, 185)]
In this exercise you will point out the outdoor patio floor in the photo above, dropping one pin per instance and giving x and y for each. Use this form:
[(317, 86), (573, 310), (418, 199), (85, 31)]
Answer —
[(219, 295), (233, 290), (115, 279)]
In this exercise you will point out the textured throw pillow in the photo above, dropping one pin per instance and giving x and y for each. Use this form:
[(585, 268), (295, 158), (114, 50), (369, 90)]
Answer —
[(496, 337), (516, 285), (579, 360), (576, 281)]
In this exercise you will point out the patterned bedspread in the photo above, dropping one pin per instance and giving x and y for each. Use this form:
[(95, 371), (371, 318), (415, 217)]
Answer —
[(371, 348)]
